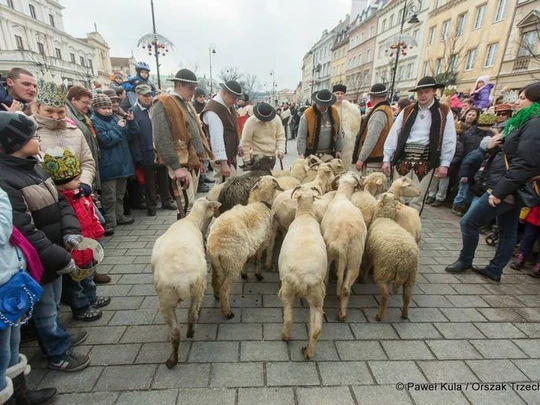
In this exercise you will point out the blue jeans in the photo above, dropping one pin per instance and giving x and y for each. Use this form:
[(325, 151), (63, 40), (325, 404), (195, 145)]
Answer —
[(9, 351), (82, 294), (52, 337), (463, 196), (480, 214)]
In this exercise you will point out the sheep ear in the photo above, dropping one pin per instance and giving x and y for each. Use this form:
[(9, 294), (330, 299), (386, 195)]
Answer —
[(335, 182), (215, 204), (379, 182), (278, 187), (256, 184), (293, 192), (317, 191)]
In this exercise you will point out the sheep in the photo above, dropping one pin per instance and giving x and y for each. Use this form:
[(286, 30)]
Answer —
[(237, 235), (335, 164), (302, 268), (344, 231), (393, 253), (179, 266), (407, 217), (298, 170), (321, 205), (374, 183)]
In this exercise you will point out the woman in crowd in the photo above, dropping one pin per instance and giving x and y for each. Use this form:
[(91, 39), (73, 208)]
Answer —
[(519, 145)]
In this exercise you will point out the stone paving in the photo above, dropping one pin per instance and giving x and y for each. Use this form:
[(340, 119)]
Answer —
[(462, 329)]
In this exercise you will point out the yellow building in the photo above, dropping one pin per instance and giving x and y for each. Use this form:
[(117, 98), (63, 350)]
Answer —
[(338, 65), (466, 39)]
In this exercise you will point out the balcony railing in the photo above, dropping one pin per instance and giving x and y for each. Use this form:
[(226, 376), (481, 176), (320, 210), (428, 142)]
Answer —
[(521, 64)]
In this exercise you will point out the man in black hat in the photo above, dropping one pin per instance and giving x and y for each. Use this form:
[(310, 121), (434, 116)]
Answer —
[(319, 132), (178, 135), (349, 119), (368, 149), (219, 118), (422, 141), (263, 135)]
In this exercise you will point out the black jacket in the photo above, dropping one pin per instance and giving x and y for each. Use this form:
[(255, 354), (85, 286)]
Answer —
[(469, 141), (42, 214), (522, 149)]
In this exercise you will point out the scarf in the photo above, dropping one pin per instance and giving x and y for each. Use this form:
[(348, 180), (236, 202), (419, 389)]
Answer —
[(520, 118), (436, 131), (33, 264), (50, 123), (89, 124)]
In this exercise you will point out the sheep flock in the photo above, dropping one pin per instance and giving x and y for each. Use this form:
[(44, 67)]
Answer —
[(314, 221)]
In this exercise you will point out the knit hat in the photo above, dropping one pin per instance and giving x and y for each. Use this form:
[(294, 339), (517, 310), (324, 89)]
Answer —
[(101, 100), (487, 120), (52, 91), (16, 130), (339, 87), (485, 142), (199, 92), (143, 89), (111, 93), (61, 165)]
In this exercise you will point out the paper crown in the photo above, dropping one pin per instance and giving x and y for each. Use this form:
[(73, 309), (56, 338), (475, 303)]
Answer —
[(61, 165), (487, 120), (52, 91)]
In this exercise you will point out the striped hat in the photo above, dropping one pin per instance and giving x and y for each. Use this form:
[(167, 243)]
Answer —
[(16, 130), (101, 100)]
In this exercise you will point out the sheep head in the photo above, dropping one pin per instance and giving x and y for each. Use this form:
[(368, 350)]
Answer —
[(299, 169), (404, 187), (386, 206), (337, 166), (313, 161), (375, 183), (204, 210), (265, 189)]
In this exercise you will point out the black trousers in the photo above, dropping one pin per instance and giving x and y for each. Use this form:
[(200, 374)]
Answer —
[(156, 176)]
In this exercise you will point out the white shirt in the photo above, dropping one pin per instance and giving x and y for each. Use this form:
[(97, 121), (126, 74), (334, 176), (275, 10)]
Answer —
[(420, 135), (215, 127)]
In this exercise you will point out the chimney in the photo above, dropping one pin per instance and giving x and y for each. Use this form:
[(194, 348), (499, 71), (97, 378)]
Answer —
[(357, 6)]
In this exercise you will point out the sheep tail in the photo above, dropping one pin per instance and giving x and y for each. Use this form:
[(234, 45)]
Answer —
[(402, 275)]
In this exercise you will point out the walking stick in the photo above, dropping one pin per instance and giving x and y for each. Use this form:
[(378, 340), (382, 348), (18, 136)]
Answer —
[(281, 163), (176, 192)]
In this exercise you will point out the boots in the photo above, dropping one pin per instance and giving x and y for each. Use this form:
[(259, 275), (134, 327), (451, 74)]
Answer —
[(21, 394), (518, 262), (6, 395)]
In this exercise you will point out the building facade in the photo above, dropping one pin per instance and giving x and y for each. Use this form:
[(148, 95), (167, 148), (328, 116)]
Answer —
[(466, 39), (125, 65), (307, 76), (338, 66), (521, 60), (32, 36)]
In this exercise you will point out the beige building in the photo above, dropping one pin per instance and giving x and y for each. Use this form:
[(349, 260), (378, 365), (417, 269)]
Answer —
[(307, 77), (362, 40), (466, 39), (338, 65), (125, 65), (521, 60)]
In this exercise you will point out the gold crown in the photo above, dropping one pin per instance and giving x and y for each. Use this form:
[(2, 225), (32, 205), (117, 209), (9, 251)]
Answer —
[(487, 119), (52, 91)]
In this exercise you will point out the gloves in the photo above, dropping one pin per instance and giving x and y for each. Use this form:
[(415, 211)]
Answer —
[(72, 241), (69, 268), (86, 190)]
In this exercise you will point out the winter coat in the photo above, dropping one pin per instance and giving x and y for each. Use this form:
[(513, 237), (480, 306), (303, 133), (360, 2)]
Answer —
[(471, 163), (83, 207), (115, 161), (480, 97), (145, 140), (469, 141), (42, 215), (69, 138), (522, 149)]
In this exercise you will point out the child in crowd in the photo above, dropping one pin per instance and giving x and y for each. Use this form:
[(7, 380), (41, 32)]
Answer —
[(530, 235), (65, 170)]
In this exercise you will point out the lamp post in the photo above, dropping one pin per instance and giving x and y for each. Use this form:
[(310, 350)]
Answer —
[(155, 43), (211, 50), (272, 95), (411, 7)]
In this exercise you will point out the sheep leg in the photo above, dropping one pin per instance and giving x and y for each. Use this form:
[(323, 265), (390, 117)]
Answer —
[(194, 311), (270, 248), (383, 288), (224, 292), (340, 272), (217, 277), (258, 266), (287, 296), (407, 294), (315, 325), (169, 314), (244, 272), (350, 277)]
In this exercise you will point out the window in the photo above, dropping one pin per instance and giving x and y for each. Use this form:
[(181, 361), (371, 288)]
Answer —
[(72, 57), (391, 21), (58, 53), (470, 59), (445, 30), (438, 66), (41, 48), (480, 13), (501, 10), (460, 25), (383, 28), (366, 76), (409, 70), (425, 70), (438, 3), (51, 19), (490, 55), (431, 36), (81, 58), (19, 42), (371, 31), (369, 55), (529, 44), (454, 60), (32, 11), (10, 4), (415, 34)]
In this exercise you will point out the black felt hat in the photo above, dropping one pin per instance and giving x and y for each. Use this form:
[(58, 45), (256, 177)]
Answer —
[(324, 98), (16, 130), (339, 87), (264, 112), (186, 76), (233, 87), (427, 82), (378, 89)]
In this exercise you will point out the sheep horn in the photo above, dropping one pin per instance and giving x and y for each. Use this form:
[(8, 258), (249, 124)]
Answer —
[(278, 187), (256, 184), (295, 190), (317, 190)]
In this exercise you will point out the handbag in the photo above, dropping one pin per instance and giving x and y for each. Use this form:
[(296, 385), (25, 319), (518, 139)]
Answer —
[(528, 194), (18, 296)]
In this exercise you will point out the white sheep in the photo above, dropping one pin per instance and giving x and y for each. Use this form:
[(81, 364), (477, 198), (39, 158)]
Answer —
[(393, 253), (344, 231), (407, 217), (179, 265), (302, 268), (238, 234)]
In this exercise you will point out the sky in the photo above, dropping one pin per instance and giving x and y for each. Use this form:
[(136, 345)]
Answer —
[(256, 36)]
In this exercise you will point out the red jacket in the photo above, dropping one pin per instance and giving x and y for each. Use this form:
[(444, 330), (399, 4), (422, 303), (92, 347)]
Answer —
[(89, 222), (534, 216)]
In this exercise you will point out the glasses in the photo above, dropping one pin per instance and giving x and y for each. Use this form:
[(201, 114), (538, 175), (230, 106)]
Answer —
[(87, 102), (506, 113)]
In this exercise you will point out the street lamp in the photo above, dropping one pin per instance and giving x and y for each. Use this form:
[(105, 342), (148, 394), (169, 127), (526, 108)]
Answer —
[(409, 7), (211, 50), (155, 43), (272, 96)]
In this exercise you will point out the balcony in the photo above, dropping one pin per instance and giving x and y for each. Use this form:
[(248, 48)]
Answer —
[(521, 64)]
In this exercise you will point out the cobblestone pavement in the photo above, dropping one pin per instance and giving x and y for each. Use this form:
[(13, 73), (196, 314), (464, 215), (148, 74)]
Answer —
[(462, 329)]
